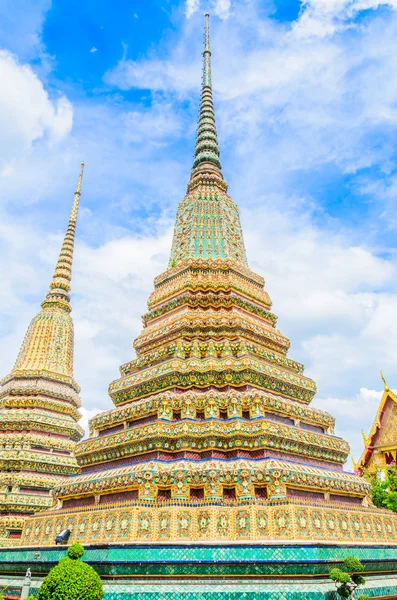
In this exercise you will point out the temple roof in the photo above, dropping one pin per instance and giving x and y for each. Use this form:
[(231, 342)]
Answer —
[(382, 435)]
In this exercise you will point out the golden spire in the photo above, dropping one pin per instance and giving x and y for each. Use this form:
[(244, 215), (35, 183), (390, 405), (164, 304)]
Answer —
[(385, 386), (48, 344), (58, 293)]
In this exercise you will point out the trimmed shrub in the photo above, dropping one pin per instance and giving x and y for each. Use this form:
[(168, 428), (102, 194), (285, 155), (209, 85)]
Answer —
[(348, 579), (71, 579), (351, 564), (75, 551)]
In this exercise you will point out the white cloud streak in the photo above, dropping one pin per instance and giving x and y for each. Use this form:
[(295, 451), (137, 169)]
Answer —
[(26, 112)]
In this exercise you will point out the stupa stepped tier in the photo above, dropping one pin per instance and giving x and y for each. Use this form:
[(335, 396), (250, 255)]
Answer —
[(39, 402), (212, 437)]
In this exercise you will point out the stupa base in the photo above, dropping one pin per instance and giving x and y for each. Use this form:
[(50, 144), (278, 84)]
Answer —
[(182, 522), (271, 571)]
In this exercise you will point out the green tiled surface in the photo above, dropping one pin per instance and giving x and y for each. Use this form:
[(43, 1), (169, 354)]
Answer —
[(240, 590), (198, 553), (230, 590), (199, 564)]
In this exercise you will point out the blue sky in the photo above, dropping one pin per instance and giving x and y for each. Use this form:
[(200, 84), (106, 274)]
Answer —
[(306, 106)]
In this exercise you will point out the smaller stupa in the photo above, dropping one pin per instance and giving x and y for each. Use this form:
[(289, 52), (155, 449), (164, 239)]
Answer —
[(39, 403)]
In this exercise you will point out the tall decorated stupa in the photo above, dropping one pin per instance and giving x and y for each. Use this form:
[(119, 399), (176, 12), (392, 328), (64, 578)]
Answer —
[(212, 436), (212, 477), (39, 403)]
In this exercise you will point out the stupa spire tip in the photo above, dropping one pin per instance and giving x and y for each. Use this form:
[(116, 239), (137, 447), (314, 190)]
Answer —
[(58, 293), (207, 149)]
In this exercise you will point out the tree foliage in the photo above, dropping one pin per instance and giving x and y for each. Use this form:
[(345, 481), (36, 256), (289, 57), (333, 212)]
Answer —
[(348, 579), (71, 579), (75, 551), (384, 493)]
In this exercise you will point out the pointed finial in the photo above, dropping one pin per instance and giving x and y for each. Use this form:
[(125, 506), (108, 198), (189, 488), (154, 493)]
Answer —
[(365, 439), (207, 33), (207, 81), (355, 465), (206, 156), (58, 293), (385, 386)]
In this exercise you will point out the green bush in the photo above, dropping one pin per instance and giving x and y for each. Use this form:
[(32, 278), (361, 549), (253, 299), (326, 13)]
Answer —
[(75, 551), (384, 493), (71, 579), (358, 579), (347, 579), (335, 574), (351, 564)]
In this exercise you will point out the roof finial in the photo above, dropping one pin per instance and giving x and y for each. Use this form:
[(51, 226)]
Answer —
[(385, 386), (58, 293), (365, 438), (207, 149)]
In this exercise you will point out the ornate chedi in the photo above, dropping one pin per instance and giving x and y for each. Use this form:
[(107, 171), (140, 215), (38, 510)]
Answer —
[(39, 403), (380, 446), (212, 436)]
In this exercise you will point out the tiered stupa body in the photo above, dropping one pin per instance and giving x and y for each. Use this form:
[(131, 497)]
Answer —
[(212, 436), (39, 403)]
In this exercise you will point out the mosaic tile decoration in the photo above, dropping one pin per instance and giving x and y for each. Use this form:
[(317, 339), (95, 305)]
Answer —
[(180, 521), (227, 553), (225, 590), (205, 561)]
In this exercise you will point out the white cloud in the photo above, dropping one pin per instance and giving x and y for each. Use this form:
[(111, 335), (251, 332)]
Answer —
[(26, 112), (191, 7), (21, 24), (353, 415), (160, 123), (86, 415), (325, 17), (93, 50), (217, 7), (336, 302)]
